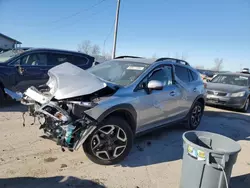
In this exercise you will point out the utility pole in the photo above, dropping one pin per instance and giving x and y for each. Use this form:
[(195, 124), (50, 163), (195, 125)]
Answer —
[(116, 28)]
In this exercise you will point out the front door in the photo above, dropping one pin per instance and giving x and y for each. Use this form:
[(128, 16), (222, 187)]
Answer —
[(160, 106), (32, 70)]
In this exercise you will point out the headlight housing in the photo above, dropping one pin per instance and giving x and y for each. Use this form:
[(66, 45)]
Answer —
[(238, 94), (52, 83)]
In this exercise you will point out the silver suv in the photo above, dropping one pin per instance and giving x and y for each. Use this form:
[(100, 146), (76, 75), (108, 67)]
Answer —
[(105, 107)]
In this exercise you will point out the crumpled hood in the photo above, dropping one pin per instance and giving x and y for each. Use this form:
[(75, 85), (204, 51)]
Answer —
[(225, 87), (67, 81)]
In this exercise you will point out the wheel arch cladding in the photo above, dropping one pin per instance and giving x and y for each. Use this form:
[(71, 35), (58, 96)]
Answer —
[(126, 111), (199, 98)]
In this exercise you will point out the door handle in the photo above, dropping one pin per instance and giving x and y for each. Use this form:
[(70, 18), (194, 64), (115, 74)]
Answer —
[(195, 89), (172, 93)]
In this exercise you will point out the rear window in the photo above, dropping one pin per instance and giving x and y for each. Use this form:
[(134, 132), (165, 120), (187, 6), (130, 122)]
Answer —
[(79, 60)]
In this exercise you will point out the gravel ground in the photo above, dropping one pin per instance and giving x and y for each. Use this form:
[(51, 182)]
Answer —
[(27, 160)]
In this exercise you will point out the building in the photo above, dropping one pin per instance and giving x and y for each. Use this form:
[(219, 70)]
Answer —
[(7, 43)]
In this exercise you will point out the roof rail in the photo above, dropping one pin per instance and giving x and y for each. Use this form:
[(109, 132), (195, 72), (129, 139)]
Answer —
[(173, 59), (126, 56)]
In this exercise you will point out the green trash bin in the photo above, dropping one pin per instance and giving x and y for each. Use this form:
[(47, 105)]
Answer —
[(208, 159)]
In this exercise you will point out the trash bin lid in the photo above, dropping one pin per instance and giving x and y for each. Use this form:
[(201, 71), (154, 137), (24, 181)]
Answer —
[(211, 142)]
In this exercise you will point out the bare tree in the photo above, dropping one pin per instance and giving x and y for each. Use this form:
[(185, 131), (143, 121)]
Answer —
[(154, 56), (107, 55), (95, 51), (182, 56), (85, 47), (218, 64)]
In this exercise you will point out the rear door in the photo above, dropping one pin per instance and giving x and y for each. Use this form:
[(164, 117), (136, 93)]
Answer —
[(188, 83)]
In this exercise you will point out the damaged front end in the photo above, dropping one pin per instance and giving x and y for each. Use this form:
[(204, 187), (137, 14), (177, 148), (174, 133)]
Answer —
[(58, 120), (60, 104)]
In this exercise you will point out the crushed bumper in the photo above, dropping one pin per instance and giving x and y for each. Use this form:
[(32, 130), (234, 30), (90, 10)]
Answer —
[(14, 95)]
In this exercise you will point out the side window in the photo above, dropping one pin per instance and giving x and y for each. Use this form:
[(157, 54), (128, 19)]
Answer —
[(58, 58), (36, 59), (79, 60), (182, 73), (163, 74), (192, 75)]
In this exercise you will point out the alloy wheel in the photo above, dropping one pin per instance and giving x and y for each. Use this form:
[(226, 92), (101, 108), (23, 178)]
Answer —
[(109, 142), (196, 116)]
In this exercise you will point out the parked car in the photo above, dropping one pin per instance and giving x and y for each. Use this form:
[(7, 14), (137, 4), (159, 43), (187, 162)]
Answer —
[(25, 68), (230, 90), (105, 107), (206, 74), (245, 71)]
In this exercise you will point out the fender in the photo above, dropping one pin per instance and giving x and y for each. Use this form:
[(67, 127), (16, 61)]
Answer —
[(125, 106), (201, 96)]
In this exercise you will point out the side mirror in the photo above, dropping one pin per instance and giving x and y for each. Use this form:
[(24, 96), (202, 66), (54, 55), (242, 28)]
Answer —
[(155, 85), (20, 70)]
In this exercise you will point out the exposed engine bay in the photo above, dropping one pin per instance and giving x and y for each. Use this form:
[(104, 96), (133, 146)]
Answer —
[(63, 119)]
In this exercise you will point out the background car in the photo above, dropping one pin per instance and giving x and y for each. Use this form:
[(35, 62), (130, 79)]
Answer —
[(245, 71), (206, 74), (230, 90), (25, 68)]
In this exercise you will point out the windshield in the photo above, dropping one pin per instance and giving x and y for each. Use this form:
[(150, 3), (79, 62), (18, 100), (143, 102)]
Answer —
[(5, 56), (119, 72), (231, 79)]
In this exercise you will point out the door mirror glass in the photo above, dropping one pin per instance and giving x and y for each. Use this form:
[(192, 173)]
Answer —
[(155, 85)]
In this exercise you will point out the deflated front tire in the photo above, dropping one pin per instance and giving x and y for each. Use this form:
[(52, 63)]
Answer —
[(110, 143)]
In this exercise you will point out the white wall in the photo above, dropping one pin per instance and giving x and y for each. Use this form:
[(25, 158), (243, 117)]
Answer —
[(5, 43)]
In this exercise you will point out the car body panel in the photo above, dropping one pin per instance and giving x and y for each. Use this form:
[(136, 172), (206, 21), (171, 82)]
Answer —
[(67, 87), (227, 88)]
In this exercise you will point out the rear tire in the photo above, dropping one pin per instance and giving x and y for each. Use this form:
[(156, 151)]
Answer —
[(195, 115), (110, 143), (246, 106)]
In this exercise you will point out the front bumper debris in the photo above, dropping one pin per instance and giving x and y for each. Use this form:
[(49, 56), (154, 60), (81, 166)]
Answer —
[(14, 95)]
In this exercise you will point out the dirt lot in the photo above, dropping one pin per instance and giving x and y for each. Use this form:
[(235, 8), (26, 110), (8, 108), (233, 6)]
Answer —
[(27, 160)]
